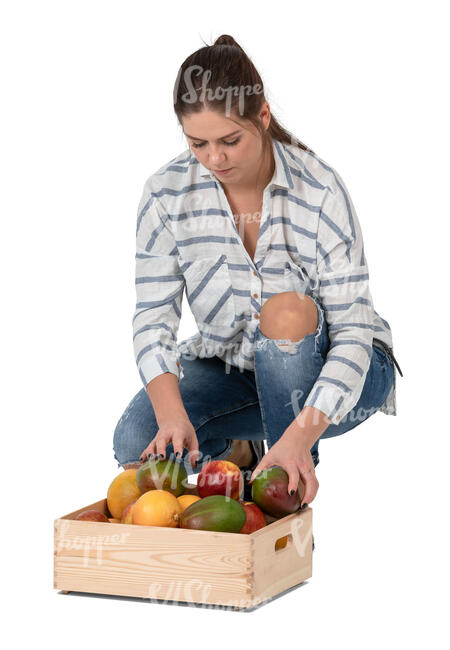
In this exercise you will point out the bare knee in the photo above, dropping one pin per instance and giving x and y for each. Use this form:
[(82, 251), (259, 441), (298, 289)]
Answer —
[(288, 315)]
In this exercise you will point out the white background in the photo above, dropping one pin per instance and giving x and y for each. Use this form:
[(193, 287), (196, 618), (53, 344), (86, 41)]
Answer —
[(87, 116)]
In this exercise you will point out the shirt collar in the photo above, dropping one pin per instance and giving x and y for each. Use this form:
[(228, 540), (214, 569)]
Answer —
[(281, 177)]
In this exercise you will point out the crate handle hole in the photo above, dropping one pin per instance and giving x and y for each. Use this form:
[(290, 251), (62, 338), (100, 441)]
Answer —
[(283, 542)]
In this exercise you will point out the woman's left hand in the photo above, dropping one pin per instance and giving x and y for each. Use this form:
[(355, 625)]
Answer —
[(295, 458)]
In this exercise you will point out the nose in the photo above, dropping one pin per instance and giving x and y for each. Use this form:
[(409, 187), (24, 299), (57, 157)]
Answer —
[(217, 156)]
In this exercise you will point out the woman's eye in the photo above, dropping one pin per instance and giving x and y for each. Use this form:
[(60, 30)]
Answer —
[(202, 144)]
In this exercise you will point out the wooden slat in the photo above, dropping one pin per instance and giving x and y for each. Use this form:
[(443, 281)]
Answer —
[(274, 571), (152, 562), (181, 565)]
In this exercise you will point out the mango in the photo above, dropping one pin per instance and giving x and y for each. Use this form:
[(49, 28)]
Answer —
[(216, 512), (270, 492), (162, 474)]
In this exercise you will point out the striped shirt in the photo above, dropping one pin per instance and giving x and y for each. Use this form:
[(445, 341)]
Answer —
[(309, 241)]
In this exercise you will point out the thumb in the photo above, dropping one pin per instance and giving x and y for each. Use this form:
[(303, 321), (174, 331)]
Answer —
[(259, 468)]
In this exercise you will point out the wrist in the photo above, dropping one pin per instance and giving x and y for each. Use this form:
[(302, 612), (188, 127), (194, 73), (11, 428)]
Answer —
[(309, 425), (169, 417), (164, 395)]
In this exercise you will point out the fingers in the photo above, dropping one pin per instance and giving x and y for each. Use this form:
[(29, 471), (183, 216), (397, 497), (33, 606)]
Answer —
[(302, 477), (311, 485), (193, 451), (259, 468), (148, 450), (161, 444), (177, 447), (294, 478), (301, 489), (156, 447), (303, 480)]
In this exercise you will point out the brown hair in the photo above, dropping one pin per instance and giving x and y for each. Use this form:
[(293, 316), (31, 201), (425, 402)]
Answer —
[(228, 68)]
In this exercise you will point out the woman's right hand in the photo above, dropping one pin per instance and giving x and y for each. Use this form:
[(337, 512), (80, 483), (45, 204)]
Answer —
[(181, 433)]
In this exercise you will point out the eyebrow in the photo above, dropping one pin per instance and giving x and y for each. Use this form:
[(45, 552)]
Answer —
[(222, 138)]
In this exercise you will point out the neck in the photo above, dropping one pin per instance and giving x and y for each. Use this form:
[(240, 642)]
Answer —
[(260, 177)]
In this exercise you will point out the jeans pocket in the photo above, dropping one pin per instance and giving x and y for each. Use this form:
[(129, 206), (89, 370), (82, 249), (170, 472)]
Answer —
[(381, 356)]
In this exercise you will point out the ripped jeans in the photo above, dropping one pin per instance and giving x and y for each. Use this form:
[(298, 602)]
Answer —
[(225, 403)]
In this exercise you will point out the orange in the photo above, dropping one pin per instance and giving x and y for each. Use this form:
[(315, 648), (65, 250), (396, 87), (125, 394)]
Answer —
[(185, 500), (122, 491), (114, 521), (157, 508)]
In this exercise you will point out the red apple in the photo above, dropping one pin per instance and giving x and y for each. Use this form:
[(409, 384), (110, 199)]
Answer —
[(220, 477), (255, 517), (91, 515)]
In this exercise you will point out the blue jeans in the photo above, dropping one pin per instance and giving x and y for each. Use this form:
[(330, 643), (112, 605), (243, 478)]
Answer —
[(225, 403)]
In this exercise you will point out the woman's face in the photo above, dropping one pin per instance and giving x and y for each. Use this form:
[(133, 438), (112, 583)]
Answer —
[(220, 143)]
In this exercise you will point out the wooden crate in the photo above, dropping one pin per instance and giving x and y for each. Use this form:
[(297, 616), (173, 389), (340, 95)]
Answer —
[(218, 569)]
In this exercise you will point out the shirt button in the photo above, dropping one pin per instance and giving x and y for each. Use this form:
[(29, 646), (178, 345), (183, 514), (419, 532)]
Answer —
[(256, 315), (255, 295), (254, 273), (178, 363), (338, 417)]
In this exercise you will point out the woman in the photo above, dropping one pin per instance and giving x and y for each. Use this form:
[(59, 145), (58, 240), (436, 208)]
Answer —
[(264, 237)]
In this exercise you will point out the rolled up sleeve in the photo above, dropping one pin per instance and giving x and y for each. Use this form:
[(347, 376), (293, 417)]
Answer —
[(159, 292), (343, 290)]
